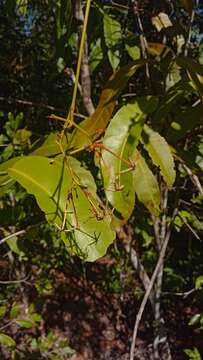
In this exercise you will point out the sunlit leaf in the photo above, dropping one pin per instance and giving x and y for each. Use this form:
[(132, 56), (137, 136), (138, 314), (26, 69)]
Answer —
[(102, 115), (50, 146), (28, 324), (161, 21), (68, 197), (5, 180), (199, 282), (156, 48), (160, 154)]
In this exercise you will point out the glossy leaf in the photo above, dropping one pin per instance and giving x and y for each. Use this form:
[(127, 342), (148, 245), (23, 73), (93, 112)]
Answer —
[(97, 123), (67, 194), (160, 153), (145, 184)]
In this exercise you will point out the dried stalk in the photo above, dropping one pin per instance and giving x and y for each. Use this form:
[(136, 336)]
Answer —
[(85, 72)]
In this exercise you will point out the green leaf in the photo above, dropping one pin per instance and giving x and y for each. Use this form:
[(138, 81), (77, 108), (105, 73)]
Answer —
[(132, 48), (28, 324), (112, 36), (160, 153), (145, 184), (15, 310), (22, 6), (68, 197), (7, 340), (96, 55), (195, 320), (183, 122), (97, 123), (120, 140), (194, 71), (5, 180), (199, 282), (2, 310), (50, 146), (14, 246), (193, 354)]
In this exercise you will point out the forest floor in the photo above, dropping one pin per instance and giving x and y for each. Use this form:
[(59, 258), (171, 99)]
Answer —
[(98, 321)]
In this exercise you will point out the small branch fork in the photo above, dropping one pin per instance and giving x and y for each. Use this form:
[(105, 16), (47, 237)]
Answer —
[(159, 265)]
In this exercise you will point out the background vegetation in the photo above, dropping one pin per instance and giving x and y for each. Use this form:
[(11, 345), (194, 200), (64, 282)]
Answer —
[(137, 172)]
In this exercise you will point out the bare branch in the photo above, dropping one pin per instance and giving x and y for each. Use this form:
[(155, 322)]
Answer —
[(151, 284), (194, 178), (36, 104)]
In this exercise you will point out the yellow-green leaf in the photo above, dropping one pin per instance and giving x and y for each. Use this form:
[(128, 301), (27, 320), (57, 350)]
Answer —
[(160, 153), (97, 123), (7, 340), (145, 184), (67, 194)]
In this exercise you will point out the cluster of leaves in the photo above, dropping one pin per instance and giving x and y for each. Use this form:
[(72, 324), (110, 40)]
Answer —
[(138, 144)]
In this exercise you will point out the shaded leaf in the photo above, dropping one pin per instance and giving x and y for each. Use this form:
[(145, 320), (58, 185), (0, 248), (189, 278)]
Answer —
[(96, 55), (7, 340), (121, 138), (194, 70), (160, 153), (112, 36), (2, 310), (188, 5)]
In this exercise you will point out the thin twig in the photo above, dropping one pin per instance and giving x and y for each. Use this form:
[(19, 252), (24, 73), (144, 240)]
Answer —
[(188, 41), (17, 233), (143, 40), (151, 284), (7, 282), (182, 294), (194, 178), (7, 325), (160, 228), (36, 104)]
